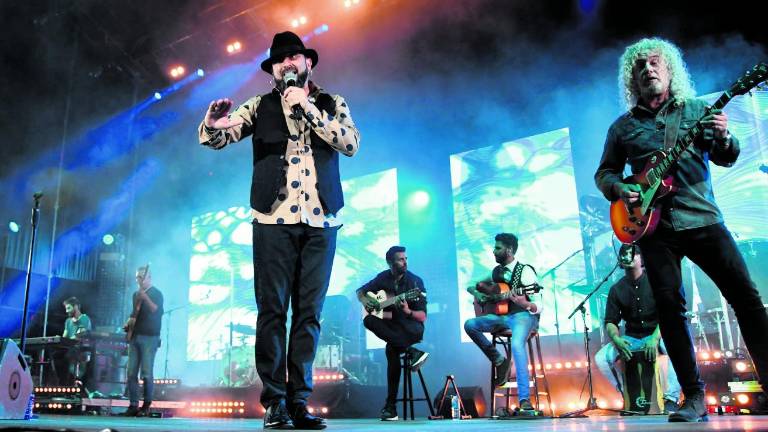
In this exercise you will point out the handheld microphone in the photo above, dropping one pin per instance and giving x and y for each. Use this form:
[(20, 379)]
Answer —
[(290, 77)]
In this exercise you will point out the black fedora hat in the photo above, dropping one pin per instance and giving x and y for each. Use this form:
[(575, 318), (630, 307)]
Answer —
[(283, 44)]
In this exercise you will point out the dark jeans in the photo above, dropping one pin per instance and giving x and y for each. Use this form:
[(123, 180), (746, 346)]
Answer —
[(141, 354), (398, 338), (292, 265), (713, 249)]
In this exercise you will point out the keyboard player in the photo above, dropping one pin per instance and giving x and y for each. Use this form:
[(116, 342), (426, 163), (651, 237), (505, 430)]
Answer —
[(77, 323)]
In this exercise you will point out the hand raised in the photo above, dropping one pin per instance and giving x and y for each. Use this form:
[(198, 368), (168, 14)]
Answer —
[(217, 115)]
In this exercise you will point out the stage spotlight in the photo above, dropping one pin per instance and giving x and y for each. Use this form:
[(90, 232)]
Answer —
[(303, 20), (177, 72), (419, 200), (704, 355), (711, 400), (235, 47), (742, 399), (158, 96), (295, 23), (741, 366), (108, 239), (200, 73), (13, 226)]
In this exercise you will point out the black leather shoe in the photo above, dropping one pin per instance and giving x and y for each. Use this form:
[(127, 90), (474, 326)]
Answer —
[(692, 410), (501, 372), (302, 419), (132, 411), (276, 416)]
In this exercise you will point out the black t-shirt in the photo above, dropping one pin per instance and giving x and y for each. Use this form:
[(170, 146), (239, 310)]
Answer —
[(148, 323), (386, 281), (633, 302)]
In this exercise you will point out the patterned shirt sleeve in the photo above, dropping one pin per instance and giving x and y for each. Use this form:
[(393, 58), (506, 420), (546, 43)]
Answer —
[(338, 131), (219, 138)]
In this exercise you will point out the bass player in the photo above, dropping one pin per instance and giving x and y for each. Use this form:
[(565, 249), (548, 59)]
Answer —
[(143, 329)]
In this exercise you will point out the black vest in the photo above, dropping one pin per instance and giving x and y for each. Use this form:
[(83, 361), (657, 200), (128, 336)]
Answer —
[(270, 142)]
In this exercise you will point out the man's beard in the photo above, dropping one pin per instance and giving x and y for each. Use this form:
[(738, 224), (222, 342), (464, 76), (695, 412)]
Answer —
[(500, 259), (301, 79), (400, 270)]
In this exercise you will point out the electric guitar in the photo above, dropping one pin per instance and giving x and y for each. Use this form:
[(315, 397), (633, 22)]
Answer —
[(631, 222), (497, 302), (130, 325), (385, 300)]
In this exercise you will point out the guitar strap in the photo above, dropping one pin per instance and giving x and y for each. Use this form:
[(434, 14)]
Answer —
[(672, 119)]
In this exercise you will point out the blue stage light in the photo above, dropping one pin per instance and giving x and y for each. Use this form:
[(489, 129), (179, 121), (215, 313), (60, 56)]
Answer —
[(200, 73), (108, 239), (13, 226), (158, 96)]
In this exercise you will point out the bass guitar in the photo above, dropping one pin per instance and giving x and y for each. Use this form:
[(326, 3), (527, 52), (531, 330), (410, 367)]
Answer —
[(631, 222), (130, 326)]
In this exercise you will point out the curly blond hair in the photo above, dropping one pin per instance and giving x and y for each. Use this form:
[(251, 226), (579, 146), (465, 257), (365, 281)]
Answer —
[(680, 86)]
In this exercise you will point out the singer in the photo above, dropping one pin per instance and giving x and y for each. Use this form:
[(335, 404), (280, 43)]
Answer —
[(298, 131)]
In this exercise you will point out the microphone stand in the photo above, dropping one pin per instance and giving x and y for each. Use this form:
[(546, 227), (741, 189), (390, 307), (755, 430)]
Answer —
[(592, 403), (168, 336), (35, 220), (551, 272)]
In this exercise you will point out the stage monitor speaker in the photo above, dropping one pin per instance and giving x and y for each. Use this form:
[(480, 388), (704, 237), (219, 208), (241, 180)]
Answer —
[(15, 381), (472, 398)]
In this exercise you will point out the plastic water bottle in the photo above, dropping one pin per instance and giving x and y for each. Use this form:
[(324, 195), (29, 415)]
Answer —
[(455, 412), (29, 412)]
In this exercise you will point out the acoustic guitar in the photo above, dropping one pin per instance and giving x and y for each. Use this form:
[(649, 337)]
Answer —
[(386, 299), (498, 294)]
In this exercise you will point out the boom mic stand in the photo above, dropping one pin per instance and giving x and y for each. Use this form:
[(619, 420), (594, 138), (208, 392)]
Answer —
[(592, 404), (552, 273), (35, 220)]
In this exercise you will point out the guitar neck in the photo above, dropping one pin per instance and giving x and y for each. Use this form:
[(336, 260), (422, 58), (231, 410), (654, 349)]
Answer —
[(661, 170)]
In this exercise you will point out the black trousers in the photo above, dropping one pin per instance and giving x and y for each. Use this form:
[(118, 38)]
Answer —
[(398, 338), (713, 249), (292, 266)]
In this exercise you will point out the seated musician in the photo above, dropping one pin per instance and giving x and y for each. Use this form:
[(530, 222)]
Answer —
[(76, 323), (405, 324), (521, 318), (630, 299)]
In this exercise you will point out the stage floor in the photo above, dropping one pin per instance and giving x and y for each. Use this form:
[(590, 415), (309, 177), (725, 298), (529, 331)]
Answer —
[(594, 423)]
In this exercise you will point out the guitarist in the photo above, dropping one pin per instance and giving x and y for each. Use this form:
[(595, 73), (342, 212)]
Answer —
[(405, 328), (143, 328), (659, 94), (522, 316)]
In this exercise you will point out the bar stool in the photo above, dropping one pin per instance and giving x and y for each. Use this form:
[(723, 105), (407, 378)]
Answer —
[(408, 398), (504, 338)]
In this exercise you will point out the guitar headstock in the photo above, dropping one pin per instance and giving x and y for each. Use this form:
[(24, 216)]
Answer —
[(753, 78)]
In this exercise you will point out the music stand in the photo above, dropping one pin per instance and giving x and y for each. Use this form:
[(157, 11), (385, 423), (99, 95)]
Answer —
[(592, 403)]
